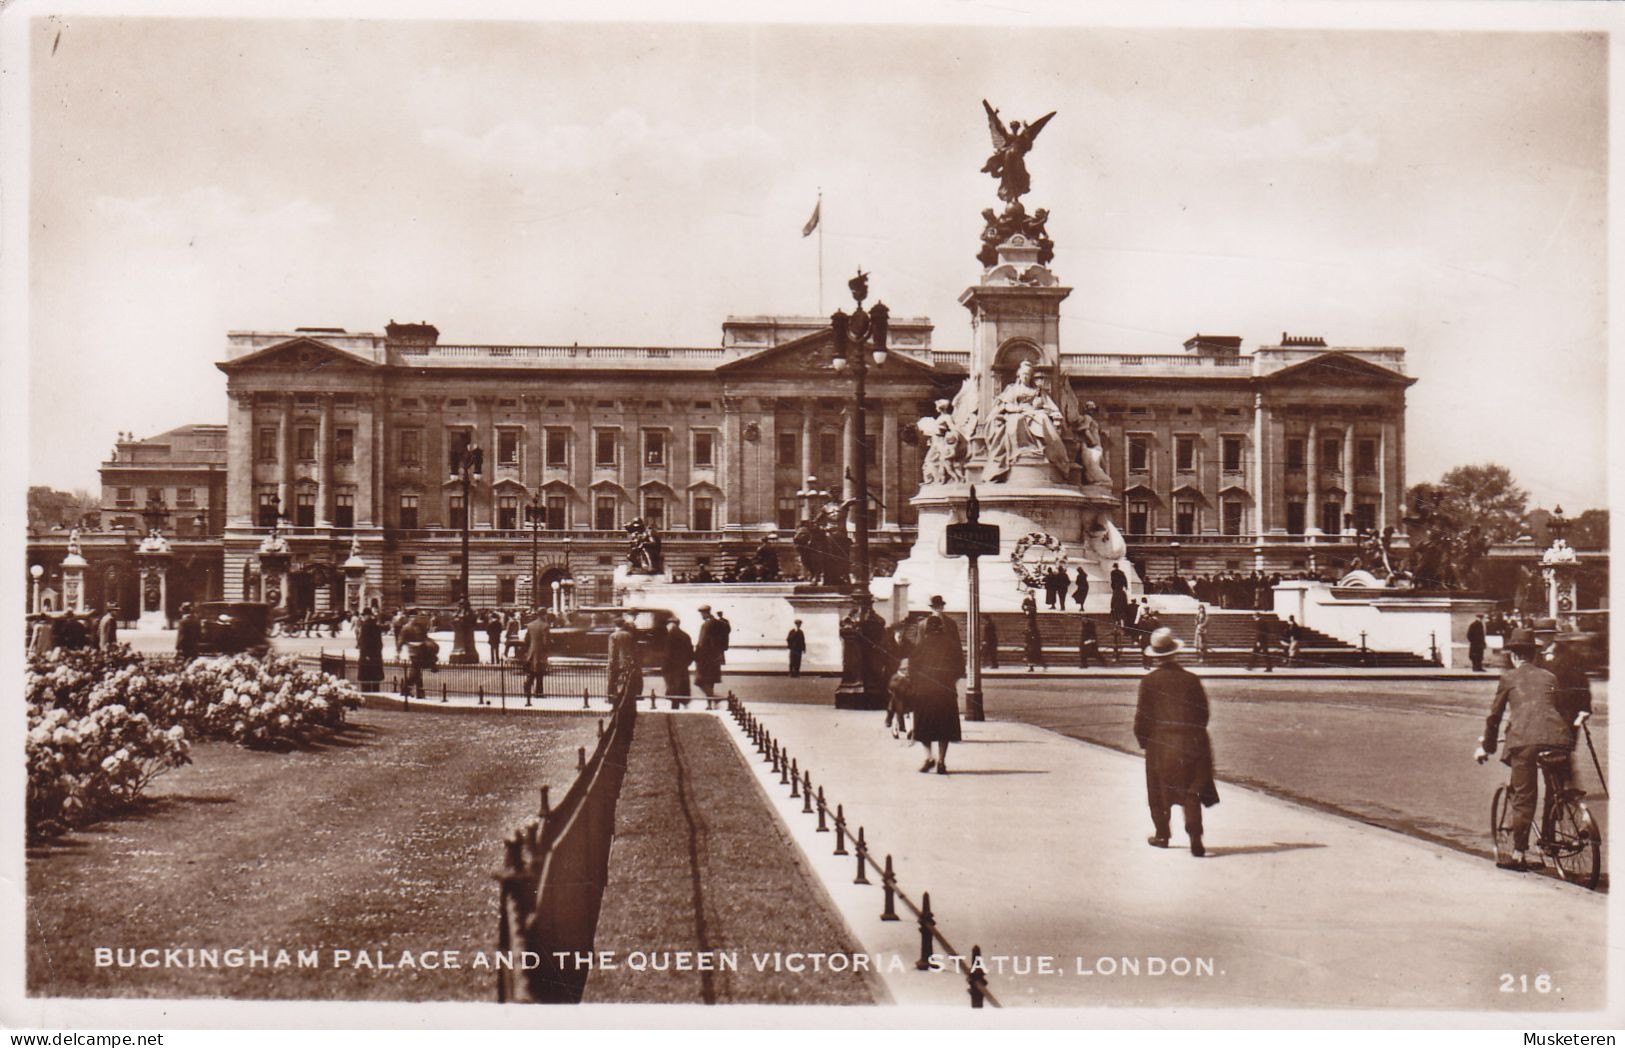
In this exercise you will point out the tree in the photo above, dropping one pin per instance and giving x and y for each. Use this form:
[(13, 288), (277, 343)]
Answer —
[(1453, 523), (48, 506), (1589, 530)]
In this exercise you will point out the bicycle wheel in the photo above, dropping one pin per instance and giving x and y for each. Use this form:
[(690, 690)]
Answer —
[(1576, 844), (1501, 826)]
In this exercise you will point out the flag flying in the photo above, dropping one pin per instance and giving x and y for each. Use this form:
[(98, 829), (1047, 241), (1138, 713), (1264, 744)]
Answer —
[(812, 223)]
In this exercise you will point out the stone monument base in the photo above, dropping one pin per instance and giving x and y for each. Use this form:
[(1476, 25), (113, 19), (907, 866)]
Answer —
[(1080, 520)]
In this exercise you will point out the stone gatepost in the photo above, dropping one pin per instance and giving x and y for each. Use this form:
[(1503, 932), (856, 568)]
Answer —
[(1559, 565), (152, 560), (355, 580), (274, 557), (73, 575)]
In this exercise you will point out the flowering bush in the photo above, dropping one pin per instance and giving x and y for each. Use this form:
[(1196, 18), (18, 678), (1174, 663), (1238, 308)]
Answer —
[(81, 768), (102, 725)]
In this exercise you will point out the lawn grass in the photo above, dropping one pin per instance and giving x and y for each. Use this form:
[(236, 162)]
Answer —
[(385, 837), (700, 863)]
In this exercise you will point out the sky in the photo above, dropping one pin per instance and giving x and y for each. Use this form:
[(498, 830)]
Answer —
[(550, 182)]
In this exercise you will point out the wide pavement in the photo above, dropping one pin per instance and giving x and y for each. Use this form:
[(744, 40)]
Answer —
[(1034, 847)]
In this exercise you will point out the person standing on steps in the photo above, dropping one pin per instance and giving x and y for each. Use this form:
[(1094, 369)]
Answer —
[(1088, 642), (1201, 634), (1170, 724), (1080, 592), (1263, 644)]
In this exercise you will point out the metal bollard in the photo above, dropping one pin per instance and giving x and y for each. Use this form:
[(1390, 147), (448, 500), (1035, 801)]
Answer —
[(443, 697), (784, 767), (823, 827), (795, 780), (888, 883), (806, 793), (840, 830), (545, 807), (585, 700), (600, 727), (863, 860), (928, 931), (482, 695), (581, 758), (977, 978)]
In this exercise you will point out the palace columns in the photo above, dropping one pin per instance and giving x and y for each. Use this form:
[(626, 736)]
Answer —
[(890, 489), (284, 491), (324, 464), (1311, 472), (240, 437)]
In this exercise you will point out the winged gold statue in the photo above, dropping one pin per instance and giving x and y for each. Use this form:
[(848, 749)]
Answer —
[(1008, 163)]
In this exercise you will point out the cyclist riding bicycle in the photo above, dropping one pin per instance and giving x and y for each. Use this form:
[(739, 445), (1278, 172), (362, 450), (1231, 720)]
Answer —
[(1541, 720)]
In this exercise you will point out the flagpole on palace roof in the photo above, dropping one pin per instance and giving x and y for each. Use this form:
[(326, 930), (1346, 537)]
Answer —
[(819, 211)]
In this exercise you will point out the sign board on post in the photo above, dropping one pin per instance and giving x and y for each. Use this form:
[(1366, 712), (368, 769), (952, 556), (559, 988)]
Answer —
[(973, 539)]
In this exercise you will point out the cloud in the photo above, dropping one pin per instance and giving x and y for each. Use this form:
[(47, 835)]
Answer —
[(625, 142), (1285, 138)]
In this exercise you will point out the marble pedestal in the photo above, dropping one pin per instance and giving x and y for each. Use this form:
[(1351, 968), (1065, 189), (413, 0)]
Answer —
[(1025, 503)]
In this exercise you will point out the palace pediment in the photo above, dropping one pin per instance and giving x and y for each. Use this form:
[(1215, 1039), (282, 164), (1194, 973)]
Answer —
[(302, 354), (1337, 369), (809, 356)]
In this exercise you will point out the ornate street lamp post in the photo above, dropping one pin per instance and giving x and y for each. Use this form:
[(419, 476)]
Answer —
[(536, 518), (466, 465), (859, 337)]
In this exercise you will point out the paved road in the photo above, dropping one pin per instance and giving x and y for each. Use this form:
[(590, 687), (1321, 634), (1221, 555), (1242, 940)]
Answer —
[(1034, 848)]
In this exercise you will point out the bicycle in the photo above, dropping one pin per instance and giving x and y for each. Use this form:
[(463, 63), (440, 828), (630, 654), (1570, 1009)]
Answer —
[(1568, 835)]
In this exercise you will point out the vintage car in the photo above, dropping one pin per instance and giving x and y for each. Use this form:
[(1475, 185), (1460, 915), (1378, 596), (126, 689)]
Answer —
[(231, 627), (586, 634)]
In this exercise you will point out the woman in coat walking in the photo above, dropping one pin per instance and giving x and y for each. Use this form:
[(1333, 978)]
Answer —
[(369, 646), (935, 665)]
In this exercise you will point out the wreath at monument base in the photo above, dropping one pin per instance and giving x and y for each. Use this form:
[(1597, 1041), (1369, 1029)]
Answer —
[(1032, 575)]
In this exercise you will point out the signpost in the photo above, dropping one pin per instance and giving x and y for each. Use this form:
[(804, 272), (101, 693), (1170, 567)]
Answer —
[(973, 539)]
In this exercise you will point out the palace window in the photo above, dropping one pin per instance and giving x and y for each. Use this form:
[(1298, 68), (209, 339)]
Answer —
[(789, 449), (409, 590), (558, 448), (1185, 454), (458, 440), (344, 510), (1139, 455), (603, 512), (457, 511), (605, 442), (344, 445), (1294, 517), (1232, 517), (1139, 517), (155, 495), (305, 399), (267, 509), (871, 448), (1185, 517), (267, 448), (1331, 517), (654, 511), (829, 449), (1365, 458), (507, 588), (410, 445), (408, 559), (1331, 454), (705, 443), (557, 513), (185, 497), (1231, 453), (654, 447), (305, 441), (1365, 516), (304, 514), (1294, 453), (508, 446), (788, 513), (455, 585), (125, 497), (409, 511), (508, 512), (703, 517)]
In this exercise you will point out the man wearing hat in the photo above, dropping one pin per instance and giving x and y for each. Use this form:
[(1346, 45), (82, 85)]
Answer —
[(1573, 686), (1531, 699), (1170, 724), (708, 649), (796, 642), (188, 632)]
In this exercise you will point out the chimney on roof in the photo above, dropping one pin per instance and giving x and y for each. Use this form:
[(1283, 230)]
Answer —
[(1303, 340), (420, 334), (1214, 345)]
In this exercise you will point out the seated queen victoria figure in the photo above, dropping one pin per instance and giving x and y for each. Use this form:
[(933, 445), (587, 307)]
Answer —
[(1024, 425)]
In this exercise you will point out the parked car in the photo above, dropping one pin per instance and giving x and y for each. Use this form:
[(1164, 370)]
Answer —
[(230, 627), (586, 635)]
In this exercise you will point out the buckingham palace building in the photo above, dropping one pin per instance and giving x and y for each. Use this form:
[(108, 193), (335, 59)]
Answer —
[(1266, 460)]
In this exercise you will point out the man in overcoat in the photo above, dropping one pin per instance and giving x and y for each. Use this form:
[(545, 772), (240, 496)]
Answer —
[(369, 647), (796, 642), (1476, 643), (107, 629), (625, 664), (1088, 642), (188, 634), (538, 638), (1170, 724), (674, 664), (708, 649), (1080, 592)]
